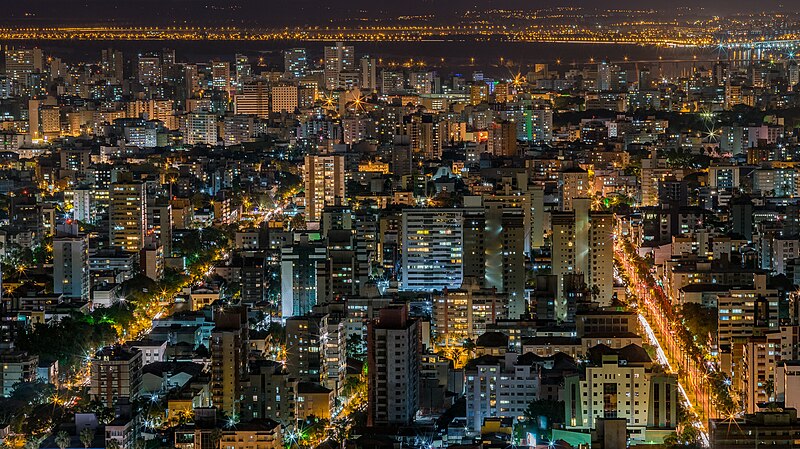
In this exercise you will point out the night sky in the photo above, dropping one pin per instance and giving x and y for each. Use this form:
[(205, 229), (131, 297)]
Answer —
[(299, 12)]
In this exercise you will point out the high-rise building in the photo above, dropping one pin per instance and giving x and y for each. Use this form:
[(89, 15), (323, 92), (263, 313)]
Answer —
[(537, 217), (238, 129), (253, 100), (334, 346), (44, 119), (324, 179), (603, 76), (478, 93), (315, 348), (365, 227), (496, 238), (422, 82), (253, 278), (303, 335), (369, 77), (654, 170), (499, 388), (295, 63), (391, 82), (744, 310), (221, 75), (111, 62), (229, 358), (424, 135), (200, 128), (393, 348), (464, 313), (21, 63), (16, 367), (501, 92), (159, 220), (505, 235), (335, 275), (191, 77), (127, 215), (760, 356), (270, 392), (150, 70), (432, 245), (34, 120), (307, 94), (537, 125), (338, 59), (572, 183), (116, 375), (503, 139), (600, 279), (622, 383), (84, 204), (582, 244), (300, 260), (71, 266), (284, 98), (243, 69), (794, 75), (354, 130)]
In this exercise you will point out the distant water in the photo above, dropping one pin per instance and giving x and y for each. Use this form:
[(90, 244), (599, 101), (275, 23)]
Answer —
[(456, 55)]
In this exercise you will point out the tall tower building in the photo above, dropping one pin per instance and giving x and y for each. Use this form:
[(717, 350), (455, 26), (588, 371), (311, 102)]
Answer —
[(563, 255), (335, 275), (496, 237), (127, 215), (315, 346), (793, 71), (433, 247), (507, 226), (21, 63), (338, 58), (71, 266), (284, 98), (300, 261), (111, 62), (253, 100), (294, 63), (504, 139), (191, 76), (601, 263), (228, 358), (582, 244), (159, 220), (243, 69), (572, 183), (200, 128), (304, 353), (221, 75), (603, 76), (537, 217), (393, 348), (116, 373), (150, 70), (369, 77), (324, 181)]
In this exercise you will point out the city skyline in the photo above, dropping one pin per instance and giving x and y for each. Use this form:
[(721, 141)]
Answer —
[(488, 225)]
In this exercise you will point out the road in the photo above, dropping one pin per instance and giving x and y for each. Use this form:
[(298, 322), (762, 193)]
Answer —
[(663, 360), (690, 374), (156, 308)]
